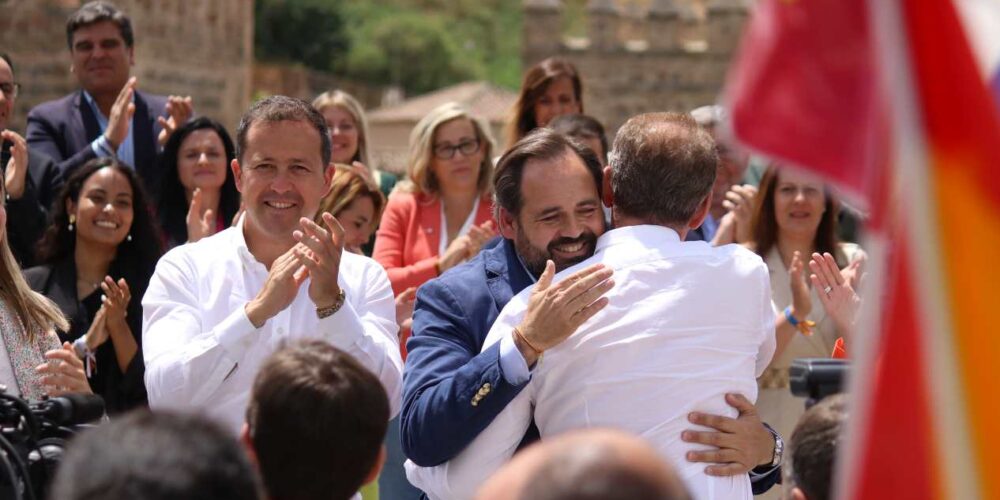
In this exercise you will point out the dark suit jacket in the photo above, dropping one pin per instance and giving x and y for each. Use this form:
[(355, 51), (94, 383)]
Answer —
[(121, 391), (63, 129), (27, 216), (444, 368)]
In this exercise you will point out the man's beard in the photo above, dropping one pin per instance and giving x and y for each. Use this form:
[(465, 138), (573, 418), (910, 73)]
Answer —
[(534, 258)]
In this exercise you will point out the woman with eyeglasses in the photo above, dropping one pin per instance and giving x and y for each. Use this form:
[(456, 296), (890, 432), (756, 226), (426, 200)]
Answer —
[(440, 216)]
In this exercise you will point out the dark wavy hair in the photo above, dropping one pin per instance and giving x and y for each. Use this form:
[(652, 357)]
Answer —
[(134, 260), (765, 221), (536, 81), (172, 206)]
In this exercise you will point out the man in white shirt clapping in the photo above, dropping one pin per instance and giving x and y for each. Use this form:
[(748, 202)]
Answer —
[(660, 349), (215, 309)]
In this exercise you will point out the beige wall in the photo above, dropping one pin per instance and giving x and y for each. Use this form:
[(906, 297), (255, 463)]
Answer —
[(198, 48)]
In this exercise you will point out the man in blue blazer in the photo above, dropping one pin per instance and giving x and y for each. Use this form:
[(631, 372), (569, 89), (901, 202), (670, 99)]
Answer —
[(451, 390), (107, 116)]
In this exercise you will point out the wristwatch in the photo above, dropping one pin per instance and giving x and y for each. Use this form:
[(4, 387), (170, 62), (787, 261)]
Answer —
[(779, 448)]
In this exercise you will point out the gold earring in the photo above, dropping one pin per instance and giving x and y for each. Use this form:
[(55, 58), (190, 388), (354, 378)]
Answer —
[(72, 219)]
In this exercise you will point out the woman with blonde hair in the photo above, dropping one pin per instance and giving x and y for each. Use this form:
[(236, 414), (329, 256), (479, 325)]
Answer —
[(32, 363), (440, 216), (355, 203), (349, 135), (550, 88)]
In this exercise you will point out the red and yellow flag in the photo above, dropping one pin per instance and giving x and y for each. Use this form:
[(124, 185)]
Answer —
[(912, 128)]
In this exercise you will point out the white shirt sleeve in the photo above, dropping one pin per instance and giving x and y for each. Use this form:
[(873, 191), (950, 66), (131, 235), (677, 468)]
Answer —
[(768, 320), (186, 362), (461, 477), (365, 327)]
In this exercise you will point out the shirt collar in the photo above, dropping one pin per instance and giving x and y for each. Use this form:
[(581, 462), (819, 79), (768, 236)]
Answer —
[(240, 241), (93, 104), (648, 234)]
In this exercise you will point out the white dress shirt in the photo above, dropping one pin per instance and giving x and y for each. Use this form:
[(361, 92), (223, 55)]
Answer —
[(201, 351), (686, 324)]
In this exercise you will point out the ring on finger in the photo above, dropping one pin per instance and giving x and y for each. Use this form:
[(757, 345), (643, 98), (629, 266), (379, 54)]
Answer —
[(827, 290)]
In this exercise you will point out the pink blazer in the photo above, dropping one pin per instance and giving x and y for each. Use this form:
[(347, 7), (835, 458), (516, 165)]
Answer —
[(409, 236)]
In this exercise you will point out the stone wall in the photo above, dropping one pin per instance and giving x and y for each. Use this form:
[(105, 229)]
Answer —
[(199, 48), (298, 81), (656, 55)]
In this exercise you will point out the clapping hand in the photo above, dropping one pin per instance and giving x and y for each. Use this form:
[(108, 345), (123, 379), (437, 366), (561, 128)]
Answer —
[(404, 308), (280, 288), (116, 299), (835, 292), (17, 167), (199, 224), (739, 201), (478, 236), (121, 115), (801, 300), (321, 255), (179, 110)]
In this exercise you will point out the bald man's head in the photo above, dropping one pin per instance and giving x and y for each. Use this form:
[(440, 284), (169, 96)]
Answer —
[(586, 465)]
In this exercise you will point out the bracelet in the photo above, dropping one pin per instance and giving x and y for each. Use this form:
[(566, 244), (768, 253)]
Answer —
[(518, 334), (805, 327), (84, 353), (323, 312)]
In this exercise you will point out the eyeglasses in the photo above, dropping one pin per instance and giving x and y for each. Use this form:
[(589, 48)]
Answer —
[(10, 89), (447, 152)]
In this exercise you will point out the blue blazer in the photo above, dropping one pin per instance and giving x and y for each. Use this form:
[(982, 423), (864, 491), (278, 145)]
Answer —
[(444, 368), (64, 128)]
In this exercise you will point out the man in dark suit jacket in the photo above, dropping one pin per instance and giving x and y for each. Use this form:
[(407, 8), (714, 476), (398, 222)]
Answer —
[(107, 116), (548, 195), (30, 178)]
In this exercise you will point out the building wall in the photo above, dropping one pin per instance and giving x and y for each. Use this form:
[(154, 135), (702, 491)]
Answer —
[(199, 48), (676, 62)]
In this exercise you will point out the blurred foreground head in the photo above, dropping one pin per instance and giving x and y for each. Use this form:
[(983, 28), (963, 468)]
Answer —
[(155, 456), (812, 450), (595, 464)]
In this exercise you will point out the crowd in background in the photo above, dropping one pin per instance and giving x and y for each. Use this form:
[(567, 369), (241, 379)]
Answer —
[(109, 178)]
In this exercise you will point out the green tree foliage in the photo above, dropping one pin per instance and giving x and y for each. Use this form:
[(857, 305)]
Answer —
[(420, 45), (310, 32), (411, 50)]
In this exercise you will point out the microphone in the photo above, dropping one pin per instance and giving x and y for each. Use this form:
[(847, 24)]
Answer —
[(70, 409)]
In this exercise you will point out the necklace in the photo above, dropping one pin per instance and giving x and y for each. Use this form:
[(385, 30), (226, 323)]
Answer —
[(90, 285)]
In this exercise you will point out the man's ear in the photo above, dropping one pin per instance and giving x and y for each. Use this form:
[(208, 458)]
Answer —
[(506, 221), (131, 56), (607, 197), (701, 212), (248, 444), (237, 171), (377, 466)]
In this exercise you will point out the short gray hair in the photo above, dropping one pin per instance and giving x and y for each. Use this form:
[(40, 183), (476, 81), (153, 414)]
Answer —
[(663, 166)]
